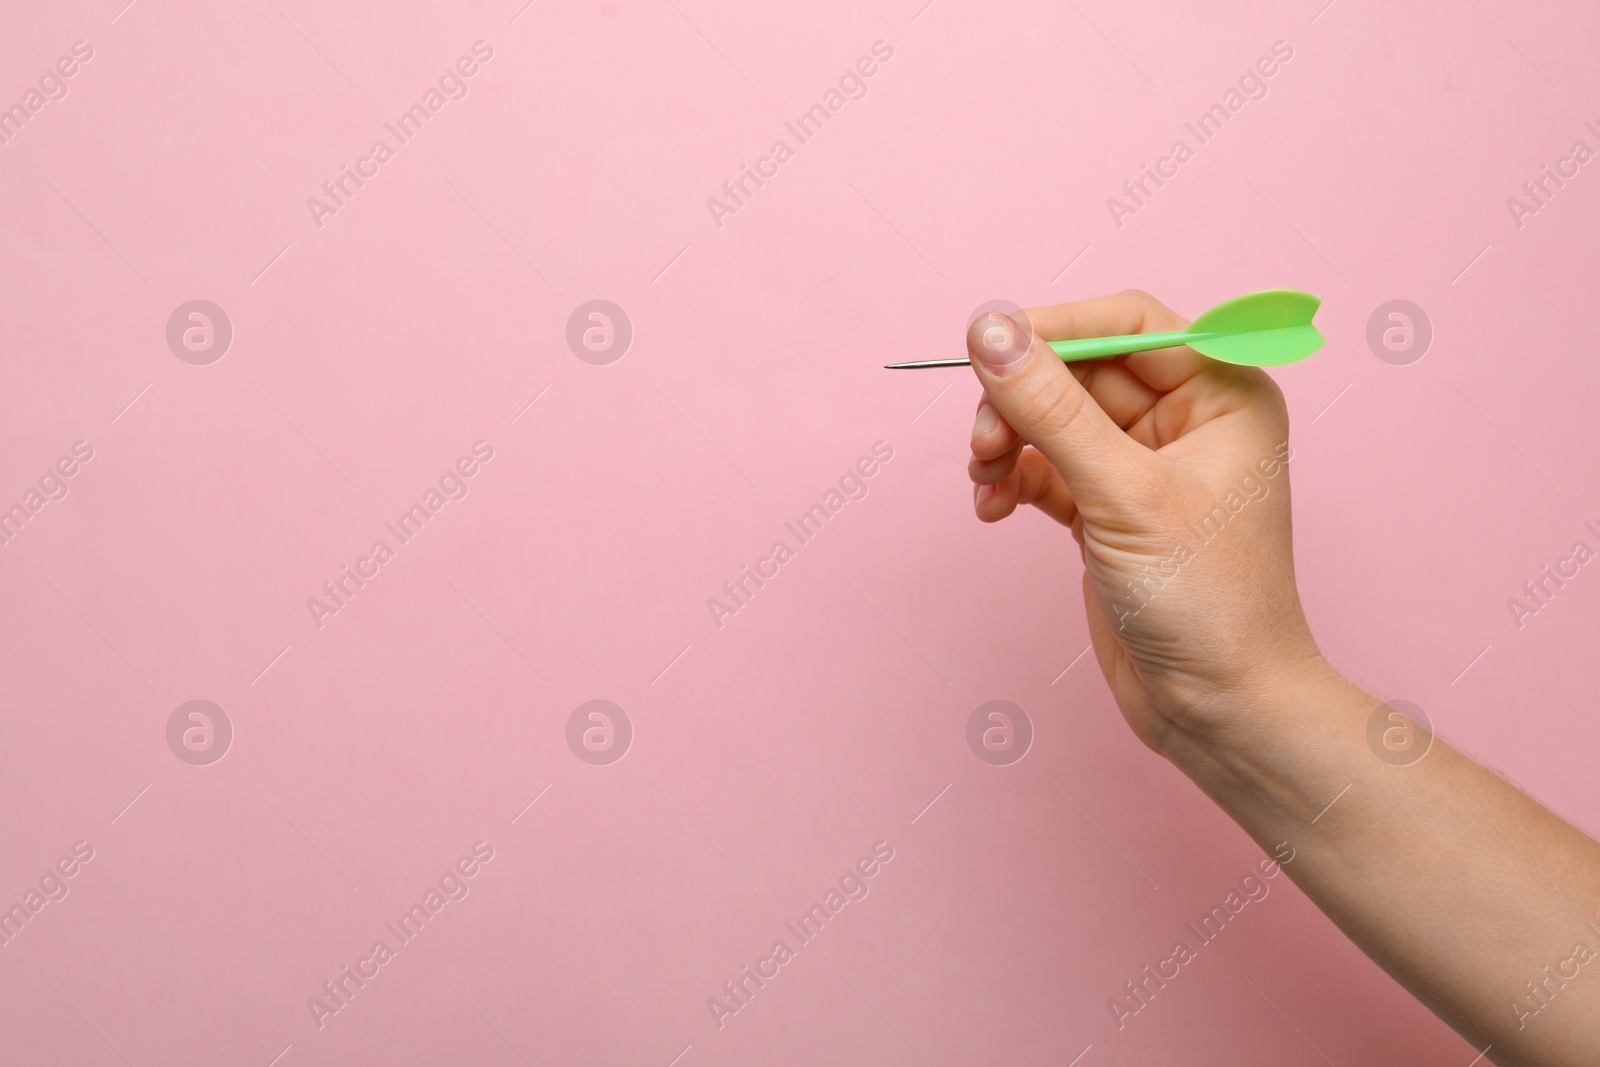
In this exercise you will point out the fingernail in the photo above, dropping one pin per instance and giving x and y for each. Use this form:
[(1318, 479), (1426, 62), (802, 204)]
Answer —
[(988, 420), (999, 342), (984, 493)]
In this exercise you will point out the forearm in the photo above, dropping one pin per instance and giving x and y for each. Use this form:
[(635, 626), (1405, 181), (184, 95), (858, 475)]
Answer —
[(1456, 883)]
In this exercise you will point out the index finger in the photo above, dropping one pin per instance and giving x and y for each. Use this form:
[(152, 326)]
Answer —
[(1127, 312)]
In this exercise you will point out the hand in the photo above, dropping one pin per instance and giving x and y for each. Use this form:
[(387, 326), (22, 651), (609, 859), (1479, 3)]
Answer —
[(1172, 471)]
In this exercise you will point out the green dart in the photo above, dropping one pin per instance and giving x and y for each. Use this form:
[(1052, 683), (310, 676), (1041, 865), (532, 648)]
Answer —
[(1257, 330)]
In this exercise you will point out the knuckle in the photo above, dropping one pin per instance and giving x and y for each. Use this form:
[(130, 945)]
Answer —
[(987, 471), (1274, 391), (1055, 410), (1153, 314), (1272, 400)]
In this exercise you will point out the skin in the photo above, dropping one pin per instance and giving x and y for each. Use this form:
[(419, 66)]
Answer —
[(1458, 884)]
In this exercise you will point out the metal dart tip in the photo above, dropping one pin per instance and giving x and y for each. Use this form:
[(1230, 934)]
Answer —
[(924, 364)]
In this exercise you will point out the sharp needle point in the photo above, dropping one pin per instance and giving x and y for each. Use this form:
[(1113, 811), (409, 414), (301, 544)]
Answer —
[(924, 364)]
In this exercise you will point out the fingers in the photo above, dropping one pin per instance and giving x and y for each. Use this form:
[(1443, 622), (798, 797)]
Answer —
[(990, 471), (992, 436), (1157, 396), (1030, 479), (1034, 393), (1005, 474), (1128, 312), (1131, 311), (1122, 395)]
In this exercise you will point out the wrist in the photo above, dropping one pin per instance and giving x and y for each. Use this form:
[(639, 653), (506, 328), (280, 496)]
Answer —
[(1275, 737)]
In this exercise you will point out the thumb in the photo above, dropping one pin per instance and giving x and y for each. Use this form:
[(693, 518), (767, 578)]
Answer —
[(1035, 392)]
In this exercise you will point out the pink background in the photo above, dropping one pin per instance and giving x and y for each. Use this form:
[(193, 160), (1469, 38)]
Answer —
[(769, 754)]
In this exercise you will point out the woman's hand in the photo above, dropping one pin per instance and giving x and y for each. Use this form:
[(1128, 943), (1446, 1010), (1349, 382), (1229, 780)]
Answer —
[(1172, 471)]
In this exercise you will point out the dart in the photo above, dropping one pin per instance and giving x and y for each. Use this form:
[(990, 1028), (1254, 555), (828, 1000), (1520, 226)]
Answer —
[(1256, 330)]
